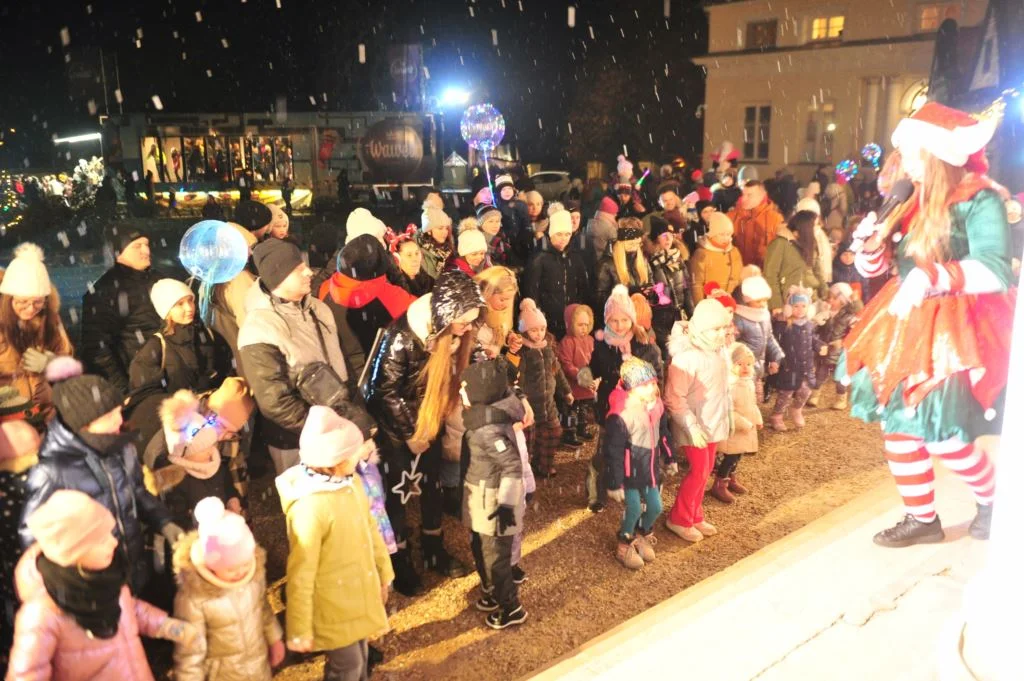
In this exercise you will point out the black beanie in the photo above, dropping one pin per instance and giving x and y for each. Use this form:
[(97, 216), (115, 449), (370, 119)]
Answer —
[(659, 226), (121, 237), (80, 399), (364, 258), (485, 382), (252, 215), (275, 259)]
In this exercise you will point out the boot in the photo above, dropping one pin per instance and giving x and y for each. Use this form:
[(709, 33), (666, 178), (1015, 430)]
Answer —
[(982, 523), (407, 582), (436, 558), (812, 401), (582, 434), (374, 656), (798, 417), (776, 423), (736, 487), (644, 545), (842, 402), (451, 501), (910, 531), (720, 491), (628, 556), (569, 441)]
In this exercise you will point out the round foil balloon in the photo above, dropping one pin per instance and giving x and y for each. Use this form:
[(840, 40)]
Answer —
[(846, 170), (871, 153), (213, 251), (483, 127)]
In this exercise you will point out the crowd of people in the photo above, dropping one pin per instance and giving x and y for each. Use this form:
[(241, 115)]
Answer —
[(450, 361)]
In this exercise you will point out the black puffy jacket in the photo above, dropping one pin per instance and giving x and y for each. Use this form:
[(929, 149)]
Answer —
[(606, 362), (671, 270), (113, 478), (391, 391), (555, 280), (608, 277), (117, 319)]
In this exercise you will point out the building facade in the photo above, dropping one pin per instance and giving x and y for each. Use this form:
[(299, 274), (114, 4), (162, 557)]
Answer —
[(806, 83)]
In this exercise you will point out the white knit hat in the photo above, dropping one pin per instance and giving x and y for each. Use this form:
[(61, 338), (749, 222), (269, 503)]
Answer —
[(361, 221), (26, 276), (166, 293), (434, 217), (809, 204), (472, 241), (755, 288), (842, 290), (327, 439), (560, 222)]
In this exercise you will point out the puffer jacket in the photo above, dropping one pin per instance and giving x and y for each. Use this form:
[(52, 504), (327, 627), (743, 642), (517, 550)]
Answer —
[(392, 392), (276, 342), (29, 385), (117, 318), (337, 561), (746, 417), (835, 329), (697, 393), (754, 329), (711, 263), (49, 644), (541, 378), (13, 476), (556, 279), (112, 478), (574, 353), (669, 268), (606, 363), (608, 278), (637, 443), (495, 475), (754, 230), (784, 266), (801, 345), (234, 619)]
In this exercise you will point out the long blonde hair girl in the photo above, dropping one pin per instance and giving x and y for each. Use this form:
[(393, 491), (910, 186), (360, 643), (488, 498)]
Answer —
[(440, 391), (622, 268), (498, 279)]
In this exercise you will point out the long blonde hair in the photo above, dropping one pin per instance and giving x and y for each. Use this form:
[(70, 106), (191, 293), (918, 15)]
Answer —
[(493, 280), (927, 239), (622, 268), (440, 392)]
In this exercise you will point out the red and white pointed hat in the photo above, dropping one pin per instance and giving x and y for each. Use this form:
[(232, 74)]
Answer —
[(948, 134)]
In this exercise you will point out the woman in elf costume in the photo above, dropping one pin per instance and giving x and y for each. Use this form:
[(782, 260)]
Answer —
[(929, 357)]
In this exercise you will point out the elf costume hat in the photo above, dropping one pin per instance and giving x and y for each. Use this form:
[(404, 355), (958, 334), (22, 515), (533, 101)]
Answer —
[(950, 135)]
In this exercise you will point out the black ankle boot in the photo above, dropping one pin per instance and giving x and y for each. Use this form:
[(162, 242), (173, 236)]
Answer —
[(407, 582), (910, 531), (982, 523), (582, 434), (373, 658), (437, 558), (569, 440)]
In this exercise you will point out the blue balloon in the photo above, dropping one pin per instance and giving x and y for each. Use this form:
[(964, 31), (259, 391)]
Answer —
[(213, 251)]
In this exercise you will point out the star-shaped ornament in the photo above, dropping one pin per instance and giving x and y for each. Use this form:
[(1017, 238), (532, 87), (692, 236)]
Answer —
[(410, 484)]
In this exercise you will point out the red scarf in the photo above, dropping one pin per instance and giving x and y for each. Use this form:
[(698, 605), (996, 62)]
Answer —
[(354, 294)]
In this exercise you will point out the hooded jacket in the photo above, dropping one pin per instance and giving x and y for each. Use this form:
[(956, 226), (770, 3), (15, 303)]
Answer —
[(574, 353), (495, 475), (746, 417), (801, 345), (276, 342), (235, 621), (711, 263), (117, 318), (541, 378), (636, 443), (362, 299), (49, 644), (337, 560), (113, 478), (754, 329), (784, 266), (754, 230), (556, 279), (697, 393)]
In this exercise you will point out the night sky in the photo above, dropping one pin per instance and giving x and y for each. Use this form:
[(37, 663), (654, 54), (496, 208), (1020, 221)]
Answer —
[(624, 65)]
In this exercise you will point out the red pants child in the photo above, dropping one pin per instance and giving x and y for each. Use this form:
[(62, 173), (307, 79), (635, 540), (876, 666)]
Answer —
[(689, 507)]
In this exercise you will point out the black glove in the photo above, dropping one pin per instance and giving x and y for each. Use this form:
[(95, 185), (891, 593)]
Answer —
[(506, 517)]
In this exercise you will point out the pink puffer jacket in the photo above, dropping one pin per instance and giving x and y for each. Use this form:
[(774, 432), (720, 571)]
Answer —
[(48, 644), (574, 353)]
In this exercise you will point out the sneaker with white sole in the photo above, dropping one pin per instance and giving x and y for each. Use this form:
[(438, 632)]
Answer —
[(690, 534), (706, 528), (501, 619), (518, 575), (486, 603)]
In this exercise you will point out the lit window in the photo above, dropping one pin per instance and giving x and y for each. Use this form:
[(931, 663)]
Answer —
[(757, 121), (827, 28), (931, 16)]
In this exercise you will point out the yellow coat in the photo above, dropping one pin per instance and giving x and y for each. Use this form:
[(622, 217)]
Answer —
[(30, 385), (710, 263), (337, 561)]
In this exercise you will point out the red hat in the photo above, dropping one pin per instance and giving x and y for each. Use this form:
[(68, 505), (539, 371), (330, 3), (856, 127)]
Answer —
[(950, 135), (608, 206), (713, 289), (697, 175)]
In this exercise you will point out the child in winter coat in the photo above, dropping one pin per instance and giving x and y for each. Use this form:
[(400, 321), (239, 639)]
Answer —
[(494, 498), (620, 338), (19, 446), (717, 259), (842, 312), (541, 378), (797, 376), (222, 592), (78, 621), (186, 459), (339, 572), (668, 268), (753, 323), (746, 420), (636, 441), (700, 411), (574, 353)]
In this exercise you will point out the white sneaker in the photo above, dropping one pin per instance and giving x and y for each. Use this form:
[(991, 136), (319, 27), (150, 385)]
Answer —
[(690, 534), (706, 528)]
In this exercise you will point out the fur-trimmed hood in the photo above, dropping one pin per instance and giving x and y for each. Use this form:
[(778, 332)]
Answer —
[(418, 316)]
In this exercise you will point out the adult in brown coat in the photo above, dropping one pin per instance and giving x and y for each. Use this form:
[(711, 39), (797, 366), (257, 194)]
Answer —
[(756, 220)]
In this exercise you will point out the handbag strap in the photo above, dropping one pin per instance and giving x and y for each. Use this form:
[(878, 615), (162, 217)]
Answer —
[(163, 351)]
